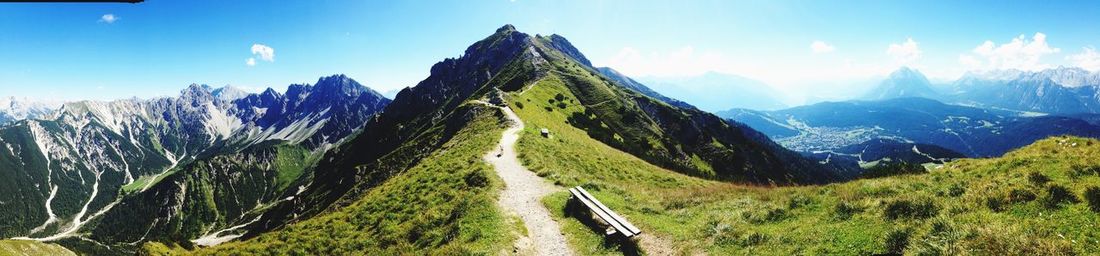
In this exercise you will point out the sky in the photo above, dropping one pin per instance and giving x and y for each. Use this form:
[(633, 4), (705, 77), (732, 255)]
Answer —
[(109, 51)]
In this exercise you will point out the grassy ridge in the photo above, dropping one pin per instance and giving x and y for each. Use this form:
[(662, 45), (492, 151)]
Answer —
[(443, 205), (24, 247), (1034, 200)]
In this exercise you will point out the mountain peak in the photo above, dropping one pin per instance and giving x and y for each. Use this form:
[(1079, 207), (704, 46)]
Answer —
[(229, 93), (904, 82), (506, 28), (197, 93), (563, 45), (905, 71), (1062, 75)]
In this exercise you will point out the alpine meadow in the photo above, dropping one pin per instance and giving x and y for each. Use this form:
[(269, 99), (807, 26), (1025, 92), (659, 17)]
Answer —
[(536, 127)]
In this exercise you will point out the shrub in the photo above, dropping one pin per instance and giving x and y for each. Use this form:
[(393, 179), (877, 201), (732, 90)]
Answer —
[(994, 203), (722, 233), (548, 109), (1037, 179), (754, 238), (1056, 195), (561, 105), (476, 179), (764, 215), (912, 209), (1092, 196), (519, 105), (845, 210), (942, 239), (1018, 195), (956, 190), (896, 241), (799, 201), (559, 97)]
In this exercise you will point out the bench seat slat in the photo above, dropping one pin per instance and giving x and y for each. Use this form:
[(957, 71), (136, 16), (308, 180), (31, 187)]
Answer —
[(600, 213), (616, 221), (630, 227)]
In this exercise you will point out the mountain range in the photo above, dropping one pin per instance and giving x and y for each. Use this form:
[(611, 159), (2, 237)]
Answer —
[(335, 168), (14, 109), (93, 162)]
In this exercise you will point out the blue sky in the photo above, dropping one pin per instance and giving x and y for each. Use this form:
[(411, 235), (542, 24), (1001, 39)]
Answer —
[(77, 51)]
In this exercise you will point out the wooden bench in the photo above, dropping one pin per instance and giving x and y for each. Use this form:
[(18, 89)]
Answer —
[(618, 223)]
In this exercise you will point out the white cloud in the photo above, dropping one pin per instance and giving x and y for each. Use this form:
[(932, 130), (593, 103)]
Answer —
[(1088, 59), (821, 47), (1020, 53), (264, 52), (109, 18), (904, 53), (685, 61)]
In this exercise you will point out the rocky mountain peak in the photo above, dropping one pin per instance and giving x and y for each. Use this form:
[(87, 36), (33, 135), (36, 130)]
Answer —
[(229, 93), (563, 45), (506, 28), (337, 85), (197, 94), (907, 73), (904, 82)]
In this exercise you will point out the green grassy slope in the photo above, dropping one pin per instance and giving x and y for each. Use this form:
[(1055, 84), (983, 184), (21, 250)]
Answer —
[(207, 195), (971, 206), (24, 247), (445, 204), (681, 139)]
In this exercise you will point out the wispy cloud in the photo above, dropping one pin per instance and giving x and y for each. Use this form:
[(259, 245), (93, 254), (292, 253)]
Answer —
[(1088, 59), (904, 53), (1020, 53), (821, 47), (263, 52), (109, 18)]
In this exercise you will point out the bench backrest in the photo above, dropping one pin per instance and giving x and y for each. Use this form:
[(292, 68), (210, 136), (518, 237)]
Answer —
[(618, 222)]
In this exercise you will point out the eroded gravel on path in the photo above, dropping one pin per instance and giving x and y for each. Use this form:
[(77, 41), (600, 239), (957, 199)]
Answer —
[(522, 196)]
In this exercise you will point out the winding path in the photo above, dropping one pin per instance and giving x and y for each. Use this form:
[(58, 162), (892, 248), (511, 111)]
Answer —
[(522, 195)]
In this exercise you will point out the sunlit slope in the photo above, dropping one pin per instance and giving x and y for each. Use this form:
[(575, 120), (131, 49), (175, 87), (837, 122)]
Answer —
[(971, 206), (445, 204), (682, 139), (25, 247)]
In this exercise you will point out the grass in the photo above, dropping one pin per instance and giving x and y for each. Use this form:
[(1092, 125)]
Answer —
[(26, 247), (291, 161), (446, 204), (969, 206)]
